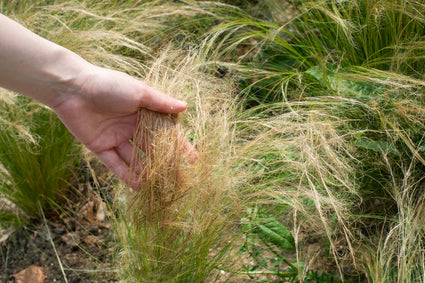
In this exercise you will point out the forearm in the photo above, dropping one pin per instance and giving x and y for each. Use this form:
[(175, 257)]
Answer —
[(36, 67)]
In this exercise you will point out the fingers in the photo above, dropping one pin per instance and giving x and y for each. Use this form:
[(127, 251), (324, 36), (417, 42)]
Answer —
[(125, 152), (114, 163), (118, 161), (155, 100)]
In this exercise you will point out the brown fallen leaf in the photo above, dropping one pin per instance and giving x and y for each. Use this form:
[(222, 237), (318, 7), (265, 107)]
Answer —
[(32, 274), (91, 210)]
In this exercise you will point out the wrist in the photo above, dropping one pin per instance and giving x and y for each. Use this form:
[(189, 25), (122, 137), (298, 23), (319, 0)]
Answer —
[(63, 77)]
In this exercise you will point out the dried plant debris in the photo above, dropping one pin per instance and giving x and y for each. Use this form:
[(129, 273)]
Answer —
[(32, 274)]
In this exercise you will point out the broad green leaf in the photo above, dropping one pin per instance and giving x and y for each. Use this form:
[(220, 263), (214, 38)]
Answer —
[(273, 231), (338, 80), (377, 146)]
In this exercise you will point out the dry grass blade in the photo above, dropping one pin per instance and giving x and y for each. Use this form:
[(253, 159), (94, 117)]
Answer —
[(174, 222), (159, 160)]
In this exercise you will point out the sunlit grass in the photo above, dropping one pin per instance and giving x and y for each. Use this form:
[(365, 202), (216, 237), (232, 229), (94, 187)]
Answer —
[(175, 225), (351, 73), (328, 138)]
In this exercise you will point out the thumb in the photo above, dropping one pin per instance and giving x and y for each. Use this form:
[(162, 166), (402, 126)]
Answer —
[(156, 100)]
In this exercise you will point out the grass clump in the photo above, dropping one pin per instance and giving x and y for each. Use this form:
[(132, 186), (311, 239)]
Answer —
[(37, 158), (177, 224), (174, 226), (290, 37), (327, 146), (351, 74)]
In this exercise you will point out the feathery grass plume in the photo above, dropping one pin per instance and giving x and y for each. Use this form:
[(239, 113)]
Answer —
[(395, 253), (302, 167), (396, 223), (344, 163), (174, 227), (160, 150), (357, 67), (386, 35), (112, 34)]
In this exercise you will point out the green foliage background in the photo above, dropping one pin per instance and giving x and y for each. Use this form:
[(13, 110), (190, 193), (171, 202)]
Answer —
[(331, 116)]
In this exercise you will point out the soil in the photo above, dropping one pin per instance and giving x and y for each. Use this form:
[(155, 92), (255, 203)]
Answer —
[(81, 240), (84, 260)]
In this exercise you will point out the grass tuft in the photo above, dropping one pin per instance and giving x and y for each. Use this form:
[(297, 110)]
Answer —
[(175, 224), (37, 156)]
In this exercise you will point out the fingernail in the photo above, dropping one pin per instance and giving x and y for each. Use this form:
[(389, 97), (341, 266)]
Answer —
[(182, 103)]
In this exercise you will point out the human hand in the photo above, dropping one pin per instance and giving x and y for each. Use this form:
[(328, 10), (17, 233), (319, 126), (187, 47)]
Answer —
[(101, 111), (99, 106)]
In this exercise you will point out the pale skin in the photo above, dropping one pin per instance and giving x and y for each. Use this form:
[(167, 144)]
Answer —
[(99, 106)]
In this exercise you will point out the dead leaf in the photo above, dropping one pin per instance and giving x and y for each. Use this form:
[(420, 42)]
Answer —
[(89, 210), (32, 274)]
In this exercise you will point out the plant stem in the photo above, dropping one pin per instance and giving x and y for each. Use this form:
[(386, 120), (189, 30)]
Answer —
[(279, 273), (53, 244)]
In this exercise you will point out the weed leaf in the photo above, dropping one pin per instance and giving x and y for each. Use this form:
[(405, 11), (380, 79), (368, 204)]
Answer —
[(273, 231), (341, 81)]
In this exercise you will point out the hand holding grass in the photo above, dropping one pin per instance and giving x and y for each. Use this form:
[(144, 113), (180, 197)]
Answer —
[(99, 106), (102, 113)]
